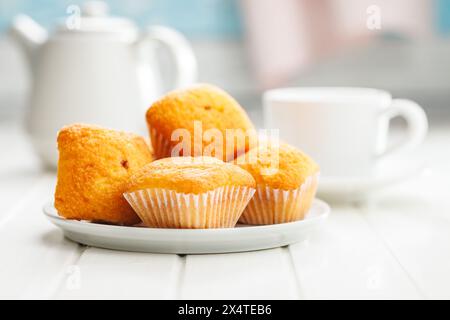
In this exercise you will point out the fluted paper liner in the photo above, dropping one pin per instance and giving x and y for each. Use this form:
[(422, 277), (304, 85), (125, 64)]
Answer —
[(272, 206), (163, 208), (162, 147)]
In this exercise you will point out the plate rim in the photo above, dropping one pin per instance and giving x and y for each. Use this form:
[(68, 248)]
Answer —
[(50, 213)]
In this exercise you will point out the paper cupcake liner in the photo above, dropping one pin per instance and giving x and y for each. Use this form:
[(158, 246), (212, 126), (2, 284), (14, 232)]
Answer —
[(163, 208), (272, 206), (161, 146)]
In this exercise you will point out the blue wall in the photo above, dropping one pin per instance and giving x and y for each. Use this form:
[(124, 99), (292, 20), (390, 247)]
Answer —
[(443, 16), (195, 18)]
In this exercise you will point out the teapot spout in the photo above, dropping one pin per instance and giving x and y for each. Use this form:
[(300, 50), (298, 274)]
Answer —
[(29, 35)]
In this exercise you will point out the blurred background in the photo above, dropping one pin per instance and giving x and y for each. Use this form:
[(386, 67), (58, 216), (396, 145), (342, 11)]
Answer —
[(247, 46)]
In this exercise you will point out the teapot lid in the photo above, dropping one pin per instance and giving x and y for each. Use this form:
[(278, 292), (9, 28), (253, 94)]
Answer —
[(93, 17)]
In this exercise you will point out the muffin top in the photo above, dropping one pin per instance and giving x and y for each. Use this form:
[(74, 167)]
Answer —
[(94, 143), (203, 102), (201, 105), (278, 166), (101, 140), (91, 131), (189, 175)]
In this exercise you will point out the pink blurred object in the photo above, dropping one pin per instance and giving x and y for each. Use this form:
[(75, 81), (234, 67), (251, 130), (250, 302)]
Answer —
[(284, 37), (411, 18), (281, 38)]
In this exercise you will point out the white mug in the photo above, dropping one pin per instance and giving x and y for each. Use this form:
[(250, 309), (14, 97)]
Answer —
[(345, 130)]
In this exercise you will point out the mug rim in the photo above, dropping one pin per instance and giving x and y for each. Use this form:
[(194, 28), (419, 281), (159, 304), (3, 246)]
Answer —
[(326, 95)]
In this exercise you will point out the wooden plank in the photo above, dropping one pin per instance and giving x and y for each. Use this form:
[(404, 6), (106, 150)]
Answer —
[(346, 260), (107, 274), (15, 187), (266, 274), (413, 219), (416, 229), (19, 170), (34, 252)]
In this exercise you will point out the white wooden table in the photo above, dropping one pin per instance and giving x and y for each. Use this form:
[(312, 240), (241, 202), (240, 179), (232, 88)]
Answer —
[(396, 246)]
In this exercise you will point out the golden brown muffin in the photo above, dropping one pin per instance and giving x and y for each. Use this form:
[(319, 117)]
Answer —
[(209, 108), (286, 183), (187, 192), (189, 175), (93, 168)]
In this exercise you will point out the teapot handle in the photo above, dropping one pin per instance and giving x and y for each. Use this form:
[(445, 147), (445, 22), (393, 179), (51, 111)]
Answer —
[(182, 54)]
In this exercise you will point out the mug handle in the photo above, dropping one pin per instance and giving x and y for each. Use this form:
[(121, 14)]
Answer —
[(179, 49), (416, 120)]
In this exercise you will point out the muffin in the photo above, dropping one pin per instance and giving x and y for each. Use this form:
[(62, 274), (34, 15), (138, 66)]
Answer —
[(286, 183), (190, 193), (93, 168), (203, 115)]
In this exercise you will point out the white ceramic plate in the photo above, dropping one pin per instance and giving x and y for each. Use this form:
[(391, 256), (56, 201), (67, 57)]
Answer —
[(189, 241)]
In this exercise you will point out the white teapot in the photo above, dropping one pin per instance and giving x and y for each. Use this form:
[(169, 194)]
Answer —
[(95, 69)]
